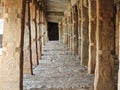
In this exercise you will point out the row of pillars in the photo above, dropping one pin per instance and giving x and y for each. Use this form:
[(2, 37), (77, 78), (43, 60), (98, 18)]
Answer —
[(88, 30), (25, 35)]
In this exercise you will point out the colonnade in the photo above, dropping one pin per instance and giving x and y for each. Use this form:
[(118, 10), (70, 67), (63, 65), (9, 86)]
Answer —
[(87, 29), (89, 33), (25, 35)]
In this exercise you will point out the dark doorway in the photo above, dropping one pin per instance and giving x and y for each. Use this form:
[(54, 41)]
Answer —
[(53, 33)]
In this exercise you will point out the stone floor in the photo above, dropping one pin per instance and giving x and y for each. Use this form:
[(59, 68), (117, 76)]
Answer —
[(59, 69)]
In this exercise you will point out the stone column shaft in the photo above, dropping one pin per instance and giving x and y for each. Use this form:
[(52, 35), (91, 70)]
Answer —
[(92, 36), (104, 74), (27, 42), (75, 15), (71, 32), (84, 33), (79, 29), (38, 33), (69, 27), (11, 63), (33, 36)]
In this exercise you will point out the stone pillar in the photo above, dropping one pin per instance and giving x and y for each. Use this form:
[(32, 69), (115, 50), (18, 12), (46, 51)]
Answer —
[(33, 36), (118, 40), (92, 36), (45, 30), (69, 27), (84, 33), (75, 21), (117, 30), (36, 41), (79, 28), (60, 32), (38, 32), (27, 42), (117, 36), (104, 73), (11, 62), (66, 30), (72, 30), (42, 24)]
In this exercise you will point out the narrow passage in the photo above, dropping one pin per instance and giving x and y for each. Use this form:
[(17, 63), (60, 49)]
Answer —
[(59, 69)]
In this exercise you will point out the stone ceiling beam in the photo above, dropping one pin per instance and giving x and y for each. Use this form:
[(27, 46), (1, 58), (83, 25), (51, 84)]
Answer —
[(55, 14)]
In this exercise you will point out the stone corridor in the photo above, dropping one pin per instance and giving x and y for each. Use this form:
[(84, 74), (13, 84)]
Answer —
[(85, 57), (59, 69)]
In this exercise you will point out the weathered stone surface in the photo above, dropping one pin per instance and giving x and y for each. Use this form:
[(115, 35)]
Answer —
[(33, 36), (11, 60), (38, 33), (60, 32), (45, 33), (75, 21), (69, 28), (73, 2), (104, 74), (27, 65), (59, 69), (92, 36), (65, 30), (84, 33), (79, 28), (117, 31), (55, 9), (70, 32)]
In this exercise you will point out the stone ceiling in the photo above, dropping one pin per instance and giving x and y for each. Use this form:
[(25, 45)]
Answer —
[(55, 9)]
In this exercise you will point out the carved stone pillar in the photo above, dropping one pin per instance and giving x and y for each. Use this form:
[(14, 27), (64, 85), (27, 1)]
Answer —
[(75, 36), (11, 62), (66, 31), (38, 32), (104, 74), (70, 31), (69, 28), (92, 36), (117, 33), (84, 33), (33, 36), (27, 42), (79, 28)]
